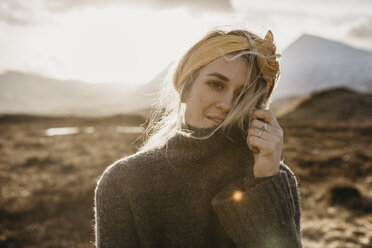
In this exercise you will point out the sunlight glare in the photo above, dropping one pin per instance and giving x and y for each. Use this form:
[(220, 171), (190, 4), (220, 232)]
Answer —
[(120, 43)]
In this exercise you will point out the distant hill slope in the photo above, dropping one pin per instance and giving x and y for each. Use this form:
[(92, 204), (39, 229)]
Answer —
[(333, 104), (312, 63), (23, 93)]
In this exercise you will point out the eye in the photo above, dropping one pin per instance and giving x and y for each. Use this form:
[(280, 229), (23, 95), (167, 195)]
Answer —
[(216, 84)]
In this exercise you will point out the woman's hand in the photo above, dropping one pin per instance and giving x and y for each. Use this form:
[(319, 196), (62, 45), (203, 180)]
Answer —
[(265, 139)]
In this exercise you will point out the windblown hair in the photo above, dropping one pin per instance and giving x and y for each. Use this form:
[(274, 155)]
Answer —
[(167, 117)]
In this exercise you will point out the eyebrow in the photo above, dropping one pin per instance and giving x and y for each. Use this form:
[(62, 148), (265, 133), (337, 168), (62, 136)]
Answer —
[(219, 75)]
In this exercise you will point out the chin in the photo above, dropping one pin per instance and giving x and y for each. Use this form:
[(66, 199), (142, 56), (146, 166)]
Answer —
[(207, 123)]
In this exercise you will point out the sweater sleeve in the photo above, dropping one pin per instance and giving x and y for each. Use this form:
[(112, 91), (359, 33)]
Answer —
[(114, 223), (267, 213)]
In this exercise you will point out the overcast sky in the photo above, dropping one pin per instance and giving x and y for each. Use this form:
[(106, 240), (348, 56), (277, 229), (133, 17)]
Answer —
[(132, 41)]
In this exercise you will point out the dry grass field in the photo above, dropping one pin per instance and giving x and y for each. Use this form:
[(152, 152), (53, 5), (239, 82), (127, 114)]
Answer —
[(47, 182)]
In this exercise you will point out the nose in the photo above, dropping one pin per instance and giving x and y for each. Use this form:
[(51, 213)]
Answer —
[(225, 103)]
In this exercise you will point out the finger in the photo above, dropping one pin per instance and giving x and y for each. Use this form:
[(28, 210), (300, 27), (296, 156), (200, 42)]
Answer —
[(266, 116), (278, 132), (251, 146), (260, 144), (273, 140), (263, 135)]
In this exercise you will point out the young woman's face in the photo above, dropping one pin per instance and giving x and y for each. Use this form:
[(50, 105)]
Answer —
[(214, 89)]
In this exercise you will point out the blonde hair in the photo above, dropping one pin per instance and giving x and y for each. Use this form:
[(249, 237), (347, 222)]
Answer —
[(167, 117)]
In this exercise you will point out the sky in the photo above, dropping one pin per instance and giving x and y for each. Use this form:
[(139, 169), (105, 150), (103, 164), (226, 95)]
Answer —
[(131, 41)]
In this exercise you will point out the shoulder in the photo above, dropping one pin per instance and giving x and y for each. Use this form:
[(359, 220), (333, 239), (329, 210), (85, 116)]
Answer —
[(122, 172), (132, 162)]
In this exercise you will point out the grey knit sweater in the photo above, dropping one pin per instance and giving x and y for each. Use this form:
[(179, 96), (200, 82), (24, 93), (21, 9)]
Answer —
[(180, 195)]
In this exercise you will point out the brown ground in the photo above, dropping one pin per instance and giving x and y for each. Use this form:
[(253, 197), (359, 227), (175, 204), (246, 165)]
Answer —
[(47, 183)]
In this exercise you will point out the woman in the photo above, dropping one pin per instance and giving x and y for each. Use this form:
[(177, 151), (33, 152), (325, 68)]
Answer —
[(210, 174)]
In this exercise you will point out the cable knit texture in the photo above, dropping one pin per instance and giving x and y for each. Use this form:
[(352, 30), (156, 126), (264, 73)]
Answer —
[(180, 195)]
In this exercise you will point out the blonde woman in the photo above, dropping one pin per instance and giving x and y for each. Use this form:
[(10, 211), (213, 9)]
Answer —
[(209, 174)]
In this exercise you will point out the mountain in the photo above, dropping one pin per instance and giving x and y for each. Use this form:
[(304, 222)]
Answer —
[(312, 63), (22, 93)]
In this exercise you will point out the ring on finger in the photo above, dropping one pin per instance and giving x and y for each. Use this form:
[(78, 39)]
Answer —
[(260, 133), (264, 127)]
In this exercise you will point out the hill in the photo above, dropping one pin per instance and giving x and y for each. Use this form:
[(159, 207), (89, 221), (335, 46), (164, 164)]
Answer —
[(334, 105), (23, 93)]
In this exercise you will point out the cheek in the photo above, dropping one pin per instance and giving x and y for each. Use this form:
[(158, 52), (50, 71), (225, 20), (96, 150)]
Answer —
[(203, 102), (195, 105), (199, 100), (196, 98)]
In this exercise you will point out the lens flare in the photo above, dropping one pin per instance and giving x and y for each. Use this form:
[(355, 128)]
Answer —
[(238, 195)]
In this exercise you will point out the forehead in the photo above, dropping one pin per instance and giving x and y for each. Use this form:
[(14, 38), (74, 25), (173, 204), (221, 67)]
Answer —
[(237, 70)]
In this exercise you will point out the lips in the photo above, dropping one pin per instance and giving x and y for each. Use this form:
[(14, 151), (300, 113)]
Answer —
[(217, 118)]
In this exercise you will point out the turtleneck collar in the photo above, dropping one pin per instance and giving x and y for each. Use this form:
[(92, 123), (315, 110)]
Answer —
[(192, 150), (233, 133)]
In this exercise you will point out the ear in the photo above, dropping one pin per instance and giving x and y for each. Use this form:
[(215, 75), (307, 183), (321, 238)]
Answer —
[(183, 99), (184, 95)]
